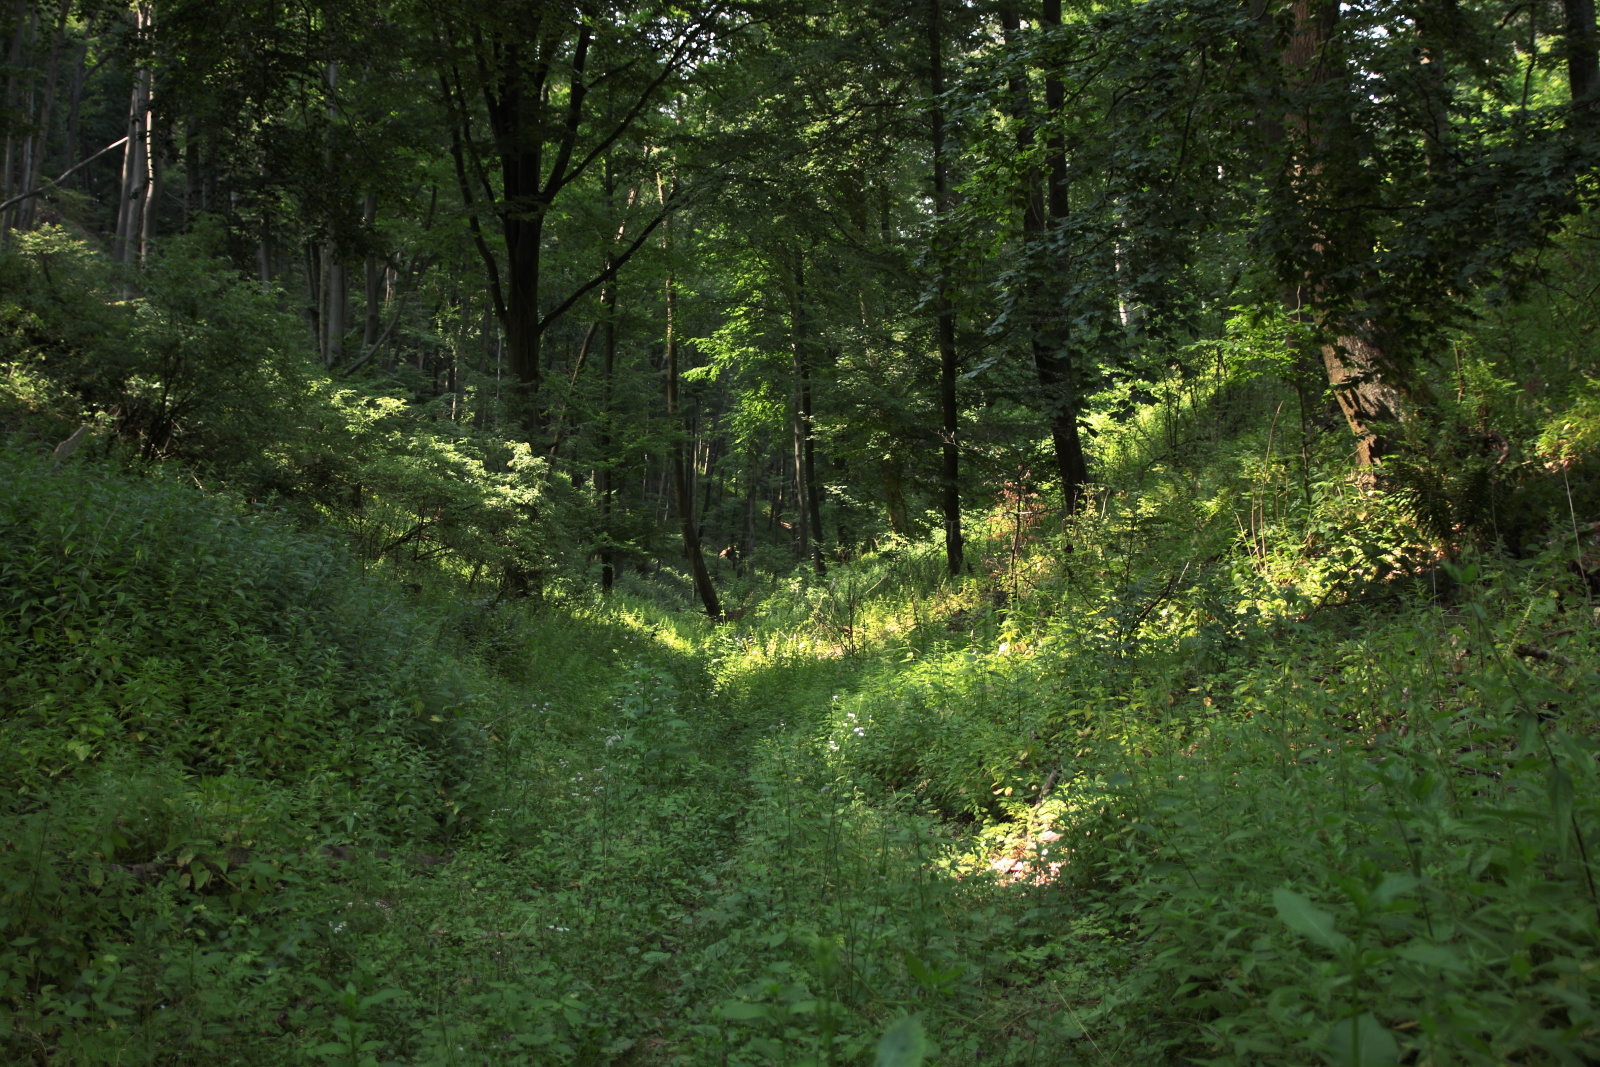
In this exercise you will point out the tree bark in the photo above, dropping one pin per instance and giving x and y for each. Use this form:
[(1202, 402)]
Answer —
[(680, 481), (33, 175), (1043, 203), (1583, 58), (135, 158), (1359, 371), (806, 458), (944, 307), (372, 323)]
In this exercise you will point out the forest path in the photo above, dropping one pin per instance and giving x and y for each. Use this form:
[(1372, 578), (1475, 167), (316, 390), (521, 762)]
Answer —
[(686, 878)]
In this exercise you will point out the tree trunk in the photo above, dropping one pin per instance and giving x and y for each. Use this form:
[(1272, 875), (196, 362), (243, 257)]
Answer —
[(337, 296), (680, 481), (33, 175), (23, 23), (802, 514), (75, 104), (1045, 200), (807, 465), (894, 498), (1356, 363), (944, 307), (1583, 59), (135, 159), (603, 476), (150, 210), (371, 327)]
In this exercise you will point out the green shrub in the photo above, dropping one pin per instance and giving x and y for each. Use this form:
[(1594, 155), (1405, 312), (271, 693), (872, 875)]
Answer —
[(146, 626)]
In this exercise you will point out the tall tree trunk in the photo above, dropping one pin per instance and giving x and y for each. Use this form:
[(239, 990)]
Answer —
[(1359, 370), (1045, 200), (747, 542), (1583, 58), (75, 103), (150, 211), (135, 158), (802, 520), (22, 28), (313, 272), (371, 326), (680, 480), (813, 487), (603, 476), (944, 307), (34, 173), (337, 297), (894, 497), (807, 457)]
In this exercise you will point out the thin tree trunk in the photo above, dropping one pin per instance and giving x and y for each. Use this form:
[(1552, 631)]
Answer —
[(336, 295), (802, 514), (1045, 201), (944, 307), (135, 158), (811, 529), (371, 325), (150, 210), (747, 543), (22, 24), (603, 477), (680, 482), (34, 174), (76, 102), (314, 298)]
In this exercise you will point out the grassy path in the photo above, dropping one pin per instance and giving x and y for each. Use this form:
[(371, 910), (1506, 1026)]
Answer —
[(678, 876)]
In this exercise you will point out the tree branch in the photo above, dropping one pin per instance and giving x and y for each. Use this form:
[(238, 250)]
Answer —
[(69, 173), (611, 269)]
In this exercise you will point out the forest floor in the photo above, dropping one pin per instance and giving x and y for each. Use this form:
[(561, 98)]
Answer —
[(1103, 806), (700, 879)]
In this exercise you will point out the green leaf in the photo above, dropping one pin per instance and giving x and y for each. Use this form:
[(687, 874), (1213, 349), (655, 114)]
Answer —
[(903, 1044), (1363, 1042), (1306, 919), (380, 996), (1446, 959), (1561, 808), (741, 1011)]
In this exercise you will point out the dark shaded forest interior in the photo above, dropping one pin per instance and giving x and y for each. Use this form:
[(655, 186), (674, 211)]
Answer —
[(761, 532)]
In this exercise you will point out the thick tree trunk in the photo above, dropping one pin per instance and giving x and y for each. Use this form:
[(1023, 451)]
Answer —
[(1359, 371), (1355, 370), (680, 480), (944, 308), (1583, 58), (150, 210)]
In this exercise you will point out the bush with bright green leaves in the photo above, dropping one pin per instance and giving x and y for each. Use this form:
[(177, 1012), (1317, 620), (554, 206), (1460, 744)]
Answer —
[(187, 362)]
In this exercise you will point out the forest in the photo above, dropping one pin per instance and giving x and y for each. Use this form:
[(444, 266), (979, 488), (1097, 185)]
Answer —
[(800, 533)]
